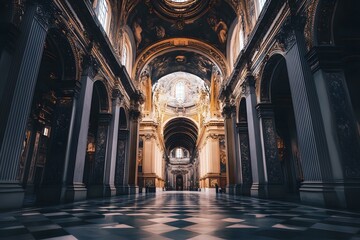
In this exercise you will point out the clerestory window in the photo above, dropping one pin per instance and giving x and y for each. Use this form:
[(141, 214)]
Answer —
[(180, 92), (102, 15)]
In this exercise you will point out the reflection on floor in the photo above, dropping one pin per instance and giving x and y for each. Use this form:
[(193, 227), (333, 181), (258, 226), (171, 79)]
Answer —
[(180, 215)]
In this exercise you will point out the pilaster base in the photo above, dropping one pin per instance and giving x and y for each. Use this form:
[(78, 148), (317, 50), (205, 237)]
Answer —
[(75, 192), (11, 195), (133, 189), (331, 195), (258, 190), (109, 191)]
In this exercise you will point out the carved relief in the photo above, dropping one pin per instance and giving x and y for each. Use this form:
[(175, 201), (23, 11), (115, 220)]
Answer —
[(325, 18), (222, 147), (273, 166), (245, 158), (120, 162), (101, 141), (345, 126), (310, 19)]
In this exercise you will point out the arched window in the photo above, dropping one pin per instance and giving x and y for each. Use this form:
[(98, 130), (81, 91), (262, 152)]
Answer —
[(179, 153), (241, 39), (124, 55), (261, 4), (103, 13), (180, 92)]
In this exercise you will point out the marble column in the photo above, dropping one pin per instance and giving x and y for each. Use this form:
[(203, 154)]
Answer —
[(135, 116), (96, 186), (273, 172), (16, 100), (258, 187), (110, 164), (229, 112), (75, 189), (339, 121), (317, 187), (245, 161)]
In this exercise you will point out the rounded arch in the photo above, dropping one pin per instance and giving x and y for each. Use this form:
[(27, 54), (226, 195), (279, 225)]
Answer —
[(268, 75), (180, 132), (171, 118), (235, 42), (103, 10), (345, 23), (242, 111), (186, 44), (322, 22), (68, 59), (130, 47), (101, 90), (123, 119)]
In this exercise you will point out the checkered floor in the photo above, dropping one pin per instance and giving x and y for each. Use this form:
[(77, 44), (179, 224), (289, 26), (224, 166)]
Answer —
[(180, 215)]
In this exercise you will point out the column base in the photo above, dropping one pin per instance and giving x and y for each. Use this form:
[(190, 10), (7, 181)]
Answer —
[(11, 195), (258, 190), (75, 192), (133, 190), (109, 191), (331, 195)]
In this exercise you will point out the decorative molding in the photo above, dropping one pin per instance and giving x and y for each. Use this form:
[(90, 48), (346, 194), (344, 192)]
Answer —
[(229, 108), (265, 110), (46, 12), (310, 22), (89, 65), (286, 36), (180, 44)]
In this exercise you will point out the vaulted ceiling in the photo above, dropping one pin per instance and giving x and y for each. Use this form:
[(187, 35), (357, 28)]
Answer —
[(205, 21), (180, 132)]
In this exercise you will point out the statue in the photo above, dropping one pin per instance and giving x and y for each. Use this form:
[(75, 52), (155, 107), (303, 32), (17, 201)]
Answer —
[(160, 31), (220, 27), (137, 32)]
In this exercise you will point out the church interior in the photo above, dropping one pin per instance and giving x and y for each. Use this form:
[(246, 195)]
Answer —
[(179, 119)]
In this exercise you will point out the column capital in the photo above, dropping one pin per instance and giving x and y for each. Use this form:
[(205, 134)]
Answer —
[(248, 85), (286, 35), (46, 12), (229, 108), (136, 99), (89, 65), (116, 94), (265, 110), (324, 57)]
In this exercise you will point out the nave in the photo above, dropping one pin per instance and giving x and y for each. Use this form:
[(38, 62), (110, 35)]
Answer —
[(179, 215)]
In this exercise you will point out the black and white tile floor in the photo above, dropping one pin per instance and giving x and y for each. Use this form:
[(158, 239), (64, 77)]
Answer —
[(179, 215)]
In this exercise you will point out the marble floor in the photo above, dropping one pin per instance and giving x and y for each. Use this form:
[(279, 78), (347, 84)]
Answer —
[(179, 215)]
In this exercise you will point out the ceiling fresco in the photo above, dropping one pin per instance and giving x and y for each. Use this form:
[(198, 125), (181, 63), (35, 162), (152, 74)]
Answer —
[(181, 61), (195, 91), (151, 23)]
